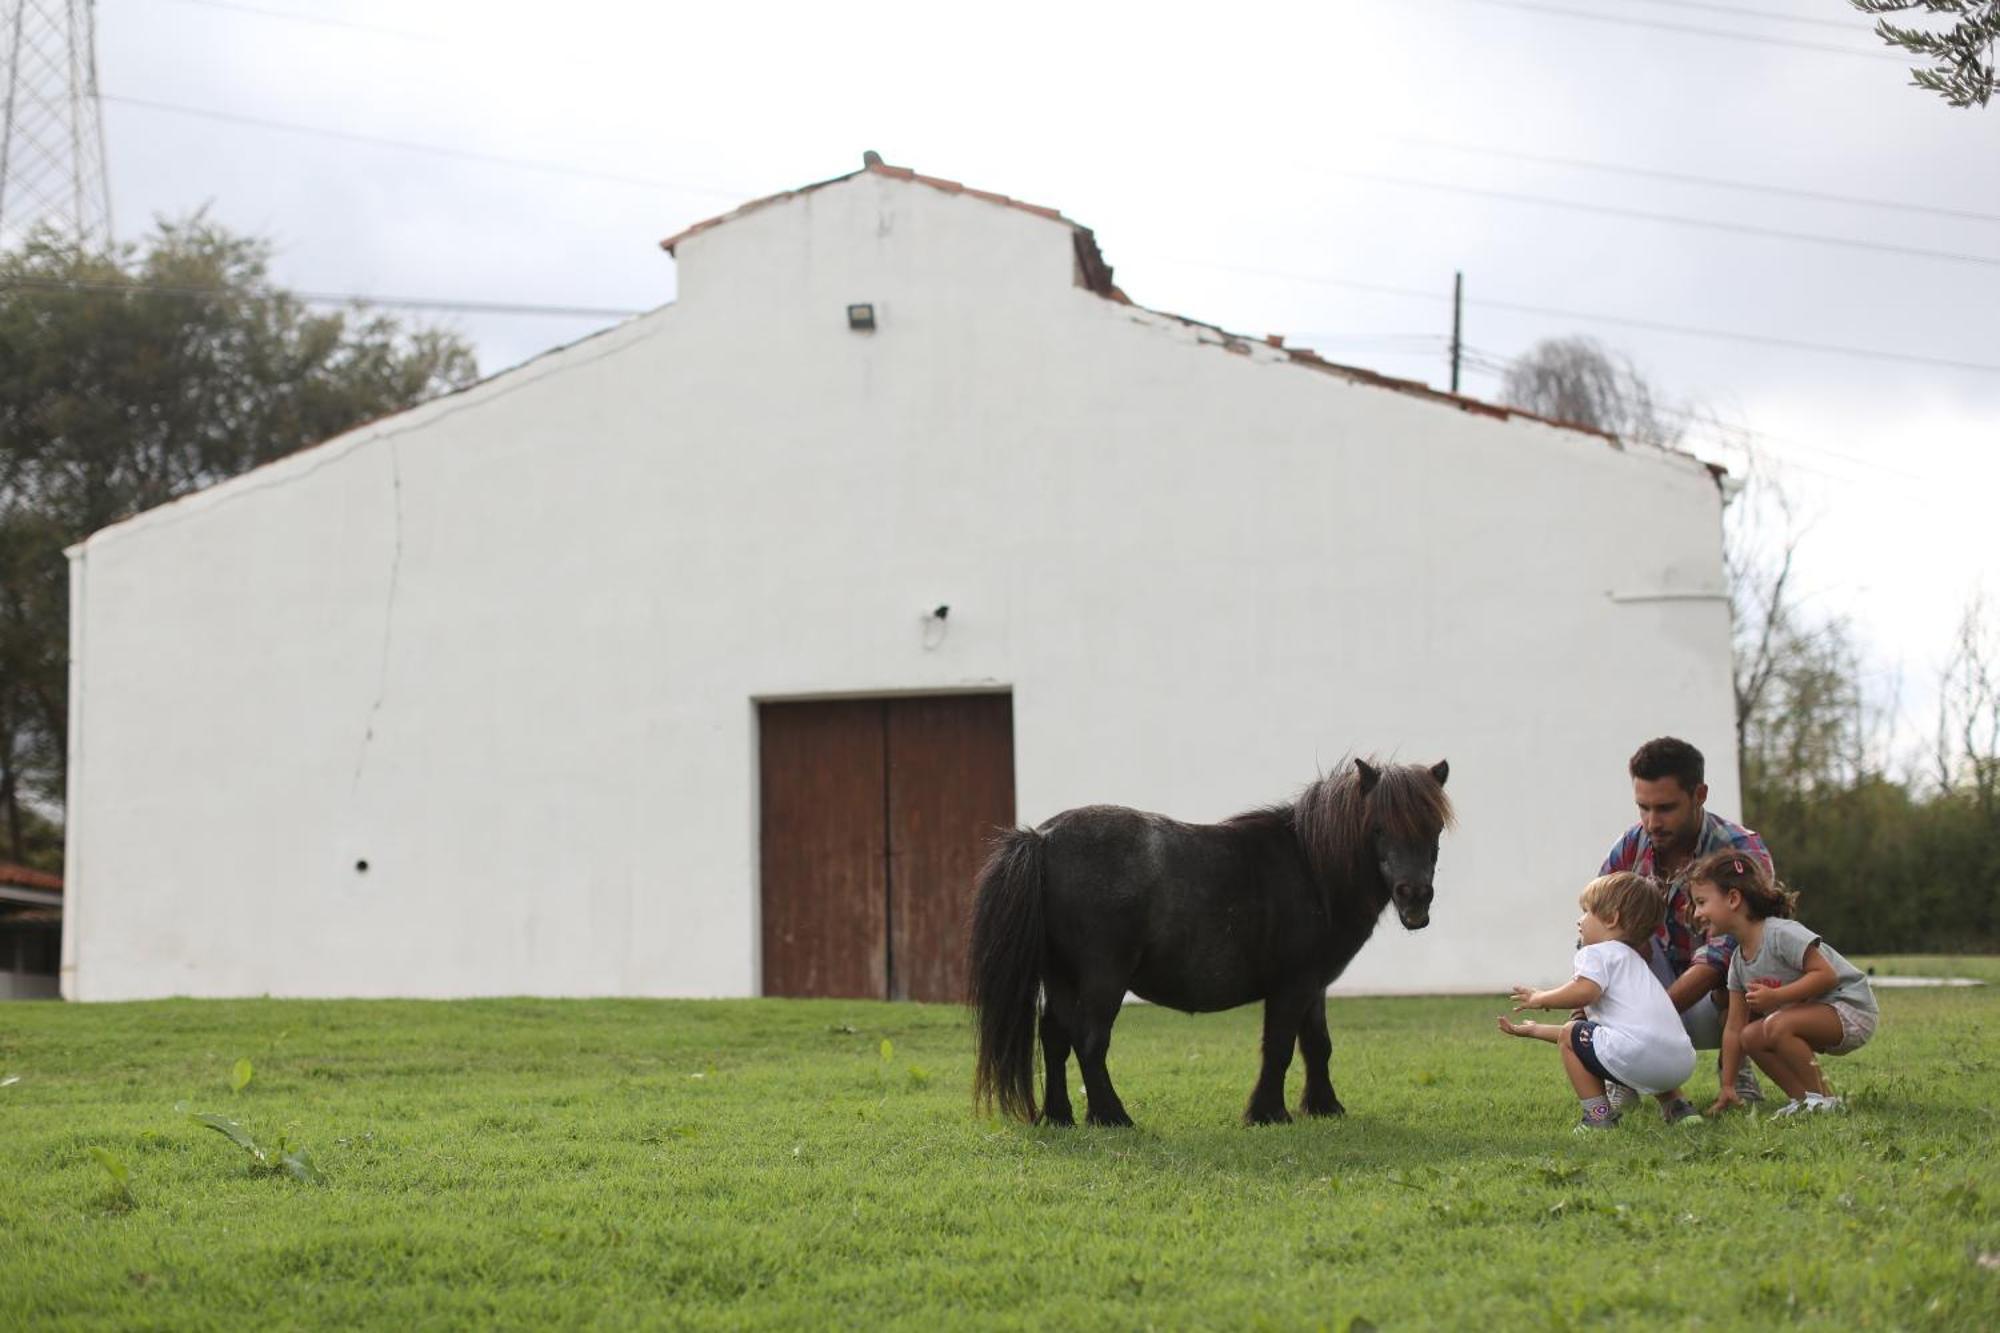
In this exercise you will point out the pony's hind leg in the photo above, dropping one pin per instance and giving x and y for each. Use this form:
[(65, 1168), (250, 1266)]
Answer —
[(1095, 1013), (1283, 1015), (1316, 1046), (1055, 1060)]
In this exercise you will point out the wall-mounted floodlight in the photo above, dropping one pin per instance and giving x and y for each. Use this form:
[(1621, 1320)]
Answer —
[(934, 626)]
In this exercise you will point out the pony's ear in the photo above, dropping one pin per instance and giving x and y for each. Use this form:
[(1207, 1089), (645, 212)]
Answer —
[(1441, 770), (1370, 775)]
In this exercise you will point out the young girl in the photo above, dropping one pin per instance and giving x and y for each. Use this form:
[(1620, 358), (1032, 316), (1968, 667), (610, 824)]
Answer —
[(1791, 996), (1630, 1031)]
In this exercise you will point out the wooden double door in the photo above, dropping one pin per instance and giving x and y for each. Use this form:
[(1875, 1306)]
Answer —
[(877, 814)]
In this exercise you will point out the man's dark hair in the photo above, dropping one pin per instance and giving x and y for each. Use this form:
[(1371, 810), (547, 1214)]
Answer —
[(1669, 757)]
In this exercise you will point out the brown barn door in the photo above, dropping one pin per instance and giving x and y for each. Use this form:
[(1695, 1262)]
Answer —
[(951, 788), (876, 817), (825, 857)]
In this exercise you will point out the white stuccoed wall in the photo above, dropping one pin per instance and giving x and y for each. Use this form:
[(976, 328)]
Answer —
[(506, 647)]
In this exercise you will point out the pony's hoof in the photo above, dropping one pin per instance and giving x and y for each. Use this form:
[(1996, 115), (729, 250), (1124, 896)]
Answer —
[(1277, 1116), (1331, 1106), (1114, 1120), (1064, 1119)]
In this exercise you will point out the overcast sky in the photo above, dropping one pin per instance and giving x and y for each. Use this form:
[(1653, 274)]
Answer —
[(1316, 170)]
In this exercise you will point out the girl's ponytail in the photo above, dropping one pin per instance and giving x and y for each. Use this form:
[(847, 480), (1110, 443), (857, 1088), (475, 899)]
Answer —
[(1735, 871)]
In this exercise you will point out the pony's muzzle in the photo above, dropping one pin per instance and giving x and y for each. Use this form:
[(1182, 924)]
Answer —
[(1413, 905)]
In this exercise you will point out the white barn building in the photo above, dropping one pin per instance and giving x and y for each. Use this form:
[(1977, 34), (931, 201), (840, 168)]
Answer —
[(623, 672)]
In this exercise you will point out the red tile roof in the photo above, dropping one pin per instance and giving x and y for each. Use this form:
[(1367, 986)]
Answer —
[(29, 879), (1097, 276)]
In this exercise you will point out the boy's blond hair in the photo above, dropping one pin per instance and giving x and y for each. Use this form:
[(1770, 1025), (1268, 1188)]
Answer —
[(1632, 901)]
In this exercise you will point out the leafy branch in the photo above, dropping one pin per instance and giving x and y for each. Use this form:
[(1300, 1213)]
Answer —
[(1962, 54)]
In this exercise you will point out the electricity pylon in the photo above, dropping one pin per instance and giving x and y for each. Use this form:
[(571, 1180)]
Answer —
[(51, 136)]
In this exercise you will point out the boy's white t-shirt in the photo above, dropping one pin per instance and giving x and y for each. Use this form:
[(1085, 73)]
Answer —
[(1639, 1035)]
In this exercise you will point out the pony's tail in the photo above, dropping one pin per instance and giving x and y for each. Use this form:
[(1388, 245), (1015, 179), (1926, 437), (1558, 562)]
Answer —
[(1006, 957)]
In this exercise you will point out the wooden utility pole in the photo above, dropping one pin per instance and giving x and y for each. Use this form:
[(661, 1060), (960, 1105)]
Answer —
[(1457, 308)]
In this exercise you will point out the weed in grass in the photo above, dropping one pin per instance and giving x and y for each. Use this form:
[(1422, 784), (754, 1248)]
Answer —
[(121, 1175), (296, 1162)]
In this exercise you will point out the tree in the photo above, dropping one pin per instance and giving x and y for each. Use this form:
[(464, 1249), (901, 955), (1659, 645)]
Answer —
[(1963, 72), (1760, 542), (1582, 381), (131, 377), (1801, 718), (1968, 739)]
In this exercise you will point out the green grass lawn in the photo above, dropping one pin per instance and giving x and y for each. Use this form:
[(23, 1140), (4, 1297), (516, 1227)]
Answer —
[(805, 1164)]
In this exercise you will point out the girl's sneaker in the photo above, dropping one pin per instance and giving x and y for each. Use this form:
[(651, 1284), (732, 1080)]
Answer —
[(1683, 1113), (1815, 1102), (1589, 1126), (1792, 1107)]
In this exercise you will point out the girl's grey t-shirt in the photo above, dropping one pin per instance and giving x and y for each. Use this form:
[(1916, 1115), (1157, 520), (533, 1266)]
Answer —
[(1782, 957)]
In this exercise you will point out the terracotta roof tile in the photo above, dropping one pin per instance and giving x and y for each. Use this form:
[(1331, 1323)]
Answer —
[(27, 878)]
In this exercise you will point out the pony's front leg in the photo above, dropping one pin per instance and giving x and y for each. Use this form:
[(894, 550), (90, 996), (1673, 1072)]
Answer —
[(1281, 1031), (1316, 1046)]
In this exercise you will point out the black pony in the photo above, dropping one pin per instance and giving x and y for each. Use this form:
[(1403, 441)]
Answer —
[(1270, 905)]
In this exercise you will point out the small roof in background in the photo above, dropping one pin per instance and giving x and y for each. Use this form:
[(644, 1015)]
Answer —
[(29, 879)]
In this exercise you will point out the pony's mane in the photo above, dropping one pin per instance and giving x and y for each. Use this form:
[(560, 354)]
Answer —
[(1332, 816)]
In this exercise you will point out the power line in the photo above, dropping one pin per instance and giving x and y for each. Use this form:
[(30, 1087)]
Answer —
[(1489, 362), (1742, 11), (1766, 340), (1693, 419), (1353, 284), (1582, 164), (1612, 210), (1656, 326), (1546, 201), (1556, 10), (412, 146), (315, 19), (1697, 429), (1590, 16), (326, 298), (1688, 178)]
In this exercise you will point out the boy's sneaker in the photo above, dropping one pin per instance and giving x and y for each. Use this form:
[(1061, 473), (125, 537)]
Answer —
[(1683, 1113), (1619, 1095), (1589, 1126), (1793, 1107), (1815, 1102)]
